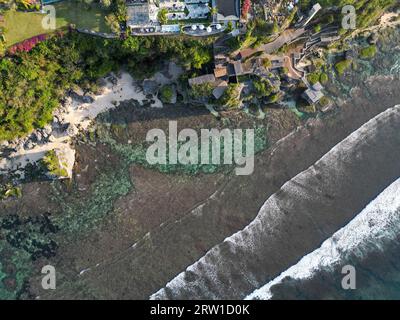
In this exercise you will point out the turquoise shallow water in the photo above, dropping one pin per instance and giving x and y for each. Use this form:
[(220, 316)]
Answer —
[(329, 204)]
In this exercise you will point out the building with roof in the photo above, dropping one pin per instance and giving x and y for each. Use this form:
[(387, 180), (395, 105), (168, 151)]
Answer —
[(314, 10), (168, 17), (220, 72), (237, 68), (277, 62), (138, 14), (228, 10), (314, 94), (246, 53), (206, 78), (221, 60), (220, 89), (330, 38)]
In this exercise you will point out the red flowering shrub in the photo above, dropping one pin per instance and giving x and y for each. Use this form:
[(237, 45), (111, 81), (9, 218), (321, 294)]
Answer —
[(27, 45), (246, 7)]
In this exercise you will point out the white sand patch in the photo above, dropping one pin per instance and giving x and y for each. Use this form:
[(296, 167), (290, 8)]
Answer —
[(78, 115), (83, 114)]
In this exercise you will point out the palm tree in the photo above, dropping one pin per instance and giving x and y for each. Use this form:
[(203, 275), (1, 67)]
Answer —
[(213, 11)]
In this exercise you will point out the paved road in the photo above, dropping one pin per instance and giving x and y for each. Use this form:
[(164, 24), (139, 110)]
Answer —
[(292, 71), (285, 38)]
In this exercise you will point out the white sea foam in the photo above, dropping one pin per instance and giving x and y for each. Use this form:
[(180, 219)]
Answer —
[(377, 223), (239, 263)]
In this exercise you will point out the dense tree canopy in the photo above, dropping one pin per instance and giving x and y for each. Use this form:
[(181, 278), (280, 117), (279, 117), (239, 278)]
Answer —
[(367, 10), (32, 83)]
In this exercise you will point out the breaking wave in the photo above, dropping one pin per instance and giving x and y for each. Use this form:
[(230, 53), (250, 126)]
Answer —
[(307, 210), (376, 226)]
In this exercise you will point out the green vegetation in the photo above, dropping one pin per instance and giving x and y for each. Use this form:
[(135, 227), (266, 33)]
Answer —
[(323, 78), (258, 32), (283, 49), (231, 97), (317, 28), (105, 3), (162, 16), (368, 11), (24, 25), (368, 52), (31, 84), (265, 91), (266, 63), (290, 18), (166, 94), (342, 66), (53, 164), (199, 56), (324, 101), (8, 191), (273, 98), (201, 90), (317, 76), (25, 4), (118, 14), (229, 27), (313, 78), (263, 88), (319, 73), (90, 16), (113, 23)]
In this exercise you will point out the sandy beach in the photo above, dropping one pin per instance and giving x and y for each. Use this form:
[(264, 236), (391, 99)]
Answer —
[(175, 245), (79, 117), (162, 223)]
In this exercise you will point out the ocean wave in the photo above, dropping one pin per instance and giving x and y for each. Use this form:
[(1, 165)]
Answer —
[(307, 210), (376, 225)]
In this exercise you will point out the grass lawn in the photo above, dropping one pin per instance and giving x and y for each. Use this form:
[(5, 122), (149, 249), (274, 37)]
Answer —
[(20, 26), (24, 25), (91, 17)]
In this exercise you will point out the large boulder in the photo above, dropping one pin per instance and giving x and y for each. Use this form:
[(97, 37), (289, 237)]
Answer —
[(51, 138), (174, 70), (72, 130), (87, 98), (4, 144), (150, 87), (29, 145), (47, 130), (38, 137), (60, 162), (373, 38)]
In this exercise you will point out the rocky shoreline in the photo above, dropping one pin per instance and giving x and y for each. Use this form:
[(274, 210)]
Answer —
[(299, 216), (235, 205), (75, 115)]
